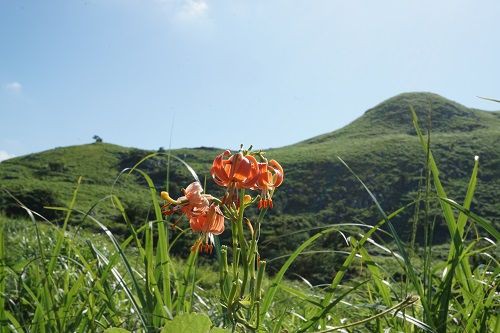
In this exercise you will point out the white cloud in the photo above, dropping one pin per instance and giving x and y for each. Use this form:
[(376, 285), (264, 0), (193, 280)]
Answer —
[(13, 87), (192, 9), (4, 155), (184, 13)]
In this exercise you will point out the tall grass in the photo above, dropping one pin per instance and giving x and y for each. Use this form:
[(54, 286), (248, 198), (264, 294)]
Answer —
[(63, 279)]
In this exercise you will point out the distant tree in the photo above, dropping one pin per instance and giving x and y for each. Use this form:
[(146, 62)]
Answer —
[(97, 138), (161, 150)]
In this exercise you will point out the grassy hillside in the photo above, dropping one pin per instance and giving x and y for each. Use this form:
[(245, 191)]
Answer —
[(381, 147)]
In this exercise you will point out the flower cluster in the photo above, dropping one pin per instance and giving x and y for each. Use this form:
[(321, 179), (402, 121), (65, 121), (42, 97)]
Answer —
[(236, 172), (244, 172)]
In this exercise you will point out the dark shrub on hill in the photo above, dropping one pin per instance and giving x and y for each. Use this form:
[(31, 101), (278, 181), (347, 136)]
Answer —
[(35, 199)]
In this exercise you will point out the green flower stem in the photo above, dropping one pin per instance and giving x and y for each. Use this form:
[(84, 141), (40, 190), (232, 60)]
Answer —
[(251, 265), (242, 241), (230, 299), (256, 292), (236, 263), (235, 244), (260, 275), (223, 272)]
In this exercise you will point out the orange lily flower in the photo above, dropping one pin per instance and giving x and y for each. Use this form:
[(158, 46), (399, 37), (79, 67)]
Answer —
[(191, 203), (235, 172), (210, 222), (203, 217), (271, 176)]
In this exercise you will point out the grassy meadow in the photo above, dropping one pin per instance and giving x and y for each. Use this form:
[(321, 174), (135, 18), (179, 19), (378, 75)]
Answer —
[(377, 227)]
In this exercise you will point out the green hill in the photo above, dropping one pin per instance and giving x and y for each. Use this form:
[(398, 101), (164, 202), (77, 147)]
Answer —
[(381, 147)]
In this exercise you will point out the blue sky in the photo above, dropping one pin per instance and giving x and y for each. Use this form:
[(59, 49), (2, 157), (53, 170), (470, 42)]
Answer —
[(221, 73)]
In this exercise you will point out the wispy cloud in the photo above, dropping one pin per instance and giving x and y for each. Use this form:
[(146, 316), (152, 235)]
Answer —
[(13, 87), (192, 9), (184, 10), (5, 155)]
